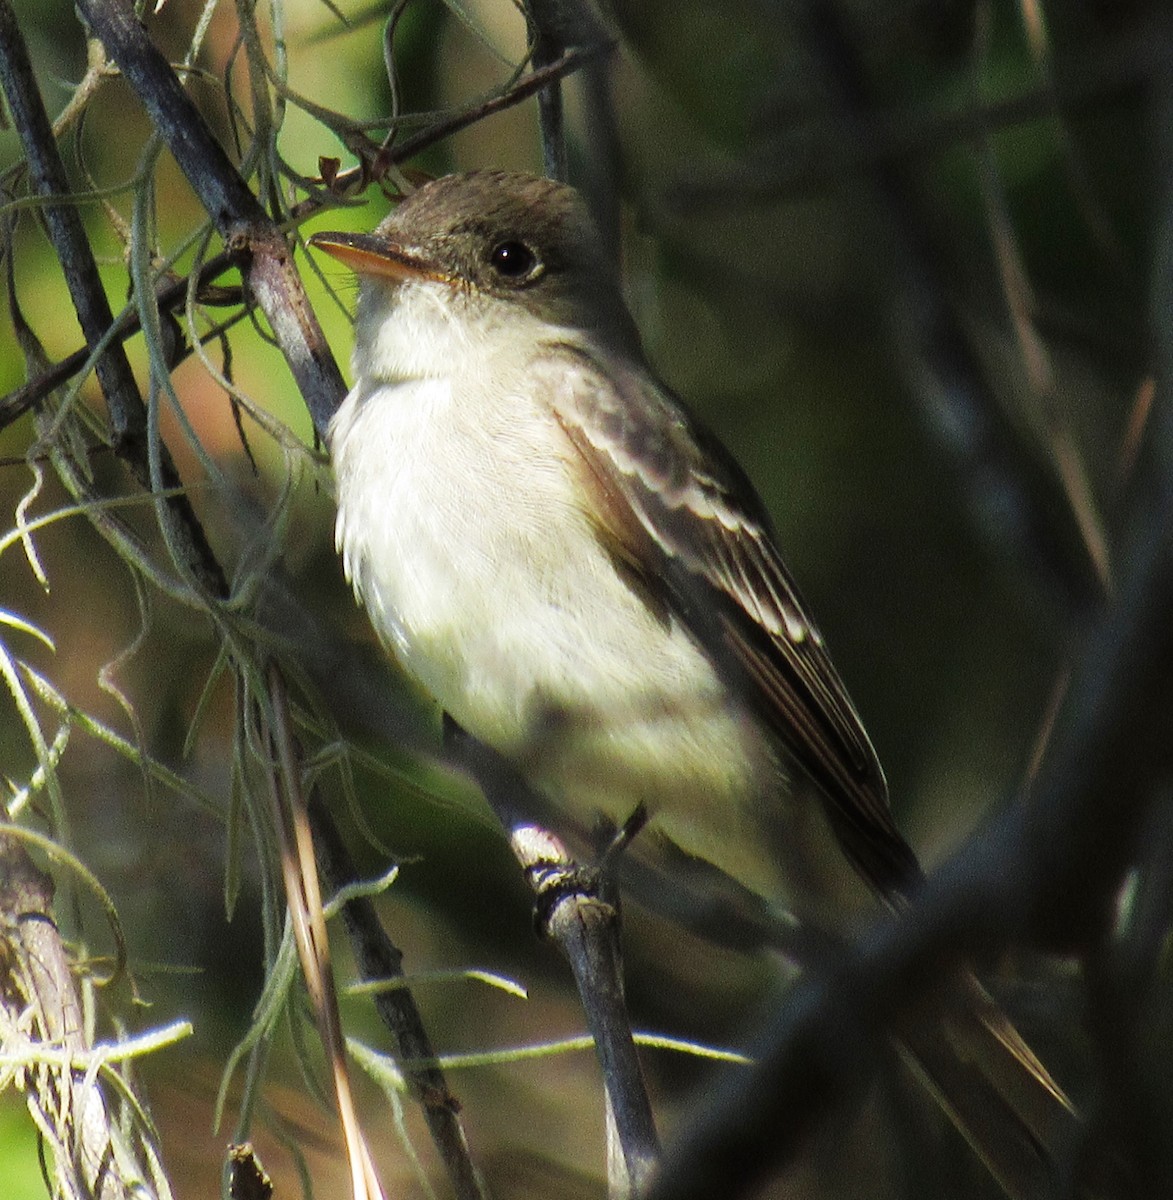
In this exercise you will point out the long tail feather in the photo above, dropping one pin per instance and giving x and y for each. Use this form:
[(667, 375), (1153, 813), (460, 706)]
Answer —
[(994, 1089)]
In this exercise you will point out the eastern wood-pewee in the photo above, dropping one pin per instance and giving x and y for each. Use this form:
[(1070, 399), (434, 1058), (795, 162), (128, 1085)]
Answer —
[(584, 579)]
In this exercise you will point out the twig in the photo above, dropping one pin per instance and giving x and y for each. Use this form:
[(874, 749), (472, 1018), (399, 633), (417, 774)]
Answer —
[(92, 1158), (63, 221), (602, 147), (549, 44), (236, 211), (584, 924), (245, 226), (377, 957), (556, 25)]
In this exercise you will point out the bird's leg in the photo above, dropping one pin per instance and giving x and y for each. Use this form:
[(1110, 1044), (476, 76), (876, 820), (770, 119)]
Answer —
[(622, 837)]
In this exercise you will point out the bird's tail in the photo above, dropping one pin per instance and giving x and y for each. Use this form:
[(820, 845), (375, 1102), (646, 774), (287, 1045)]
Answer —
[(994, 1089)]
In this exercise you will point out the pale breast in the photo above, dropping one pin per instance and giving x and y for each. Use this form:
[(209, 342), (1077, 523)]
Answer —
[(463, 534)]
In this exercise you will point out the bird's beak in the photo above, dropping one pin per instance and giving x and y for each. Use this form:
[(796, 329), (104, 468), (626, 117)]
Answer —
[(368, 254)]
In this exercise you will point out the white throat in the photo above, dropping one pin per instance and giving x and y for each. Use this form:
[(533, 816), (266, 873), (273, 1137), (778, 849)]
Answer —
[(427, 329)]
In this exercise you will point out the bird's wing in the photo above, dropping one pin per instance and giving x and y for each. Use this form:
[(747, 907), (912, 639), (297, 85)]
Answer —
[(678, 512)]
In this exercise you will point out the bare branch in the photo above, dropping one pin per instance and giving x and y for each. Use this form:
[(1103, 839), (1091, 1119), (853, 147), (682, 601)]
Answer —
[(549, 41), (243, 223), (63, 221), (127, 411), (582, 920), (93, 1159), (378, 957)]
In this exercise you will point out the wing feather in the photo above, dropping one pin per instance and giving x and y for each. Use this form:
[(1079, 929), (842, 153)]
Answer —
[(670, 496)]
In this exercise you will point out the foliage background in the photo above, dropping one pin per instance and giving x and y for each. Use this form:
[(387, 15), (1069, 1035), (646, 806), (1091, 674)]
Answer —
[(783, 263)]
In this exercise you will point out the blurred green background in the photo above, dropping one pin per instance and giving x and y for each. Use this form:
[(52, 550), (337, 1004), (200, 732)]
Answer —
[(906, 325)]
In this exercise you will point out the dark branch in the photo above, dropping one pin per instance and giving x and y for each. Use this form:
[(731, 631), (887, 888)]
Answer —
[(1046, 872), (549, 42), (377, 957), (67, 233), (584, 925), (240, 219)]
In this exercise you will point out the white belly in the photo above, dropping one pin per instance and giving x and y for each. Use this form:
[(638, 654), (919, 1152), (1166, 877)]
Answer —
[(463, 536)]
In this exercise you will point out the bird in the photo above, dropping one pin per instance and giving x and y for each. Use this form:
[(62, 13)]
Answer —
[(582, 578)]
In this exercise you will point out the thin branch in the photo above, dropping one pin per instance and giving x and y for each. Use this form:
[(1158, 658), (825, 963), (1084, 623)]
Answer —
[(93, 1158), (127, 412), (555, 26), (583, 922), (377, 957), (242, 222), (66, 231), (548, 38)]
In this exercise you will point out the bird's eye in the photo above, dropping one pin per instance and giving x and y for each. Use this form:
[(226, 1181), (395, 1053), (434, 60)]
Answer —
[(514, 261)]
